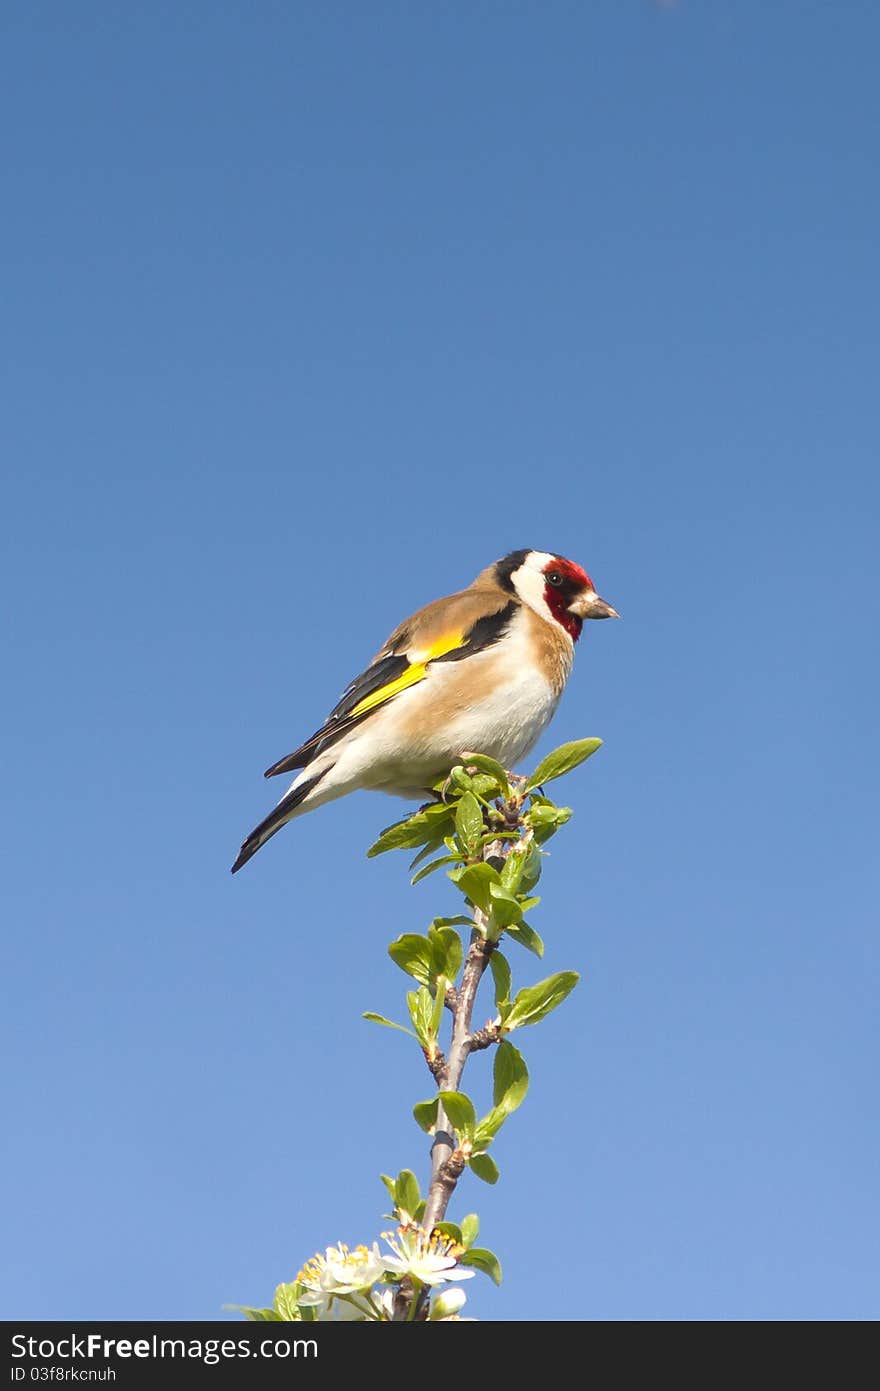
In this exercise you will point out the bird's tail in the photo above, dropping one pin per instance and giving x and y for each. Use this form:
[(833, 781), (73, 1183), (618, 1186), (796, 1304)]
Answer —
[(276, 819)]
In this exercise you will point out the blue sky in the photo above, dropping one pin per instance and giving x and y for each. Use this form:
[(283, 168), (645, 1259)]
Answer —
[(309, 313)]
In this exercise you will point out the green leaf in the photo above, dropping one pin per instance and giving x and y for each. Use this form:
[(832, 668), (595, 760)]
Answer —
[(388, 1023), (490, 766), (255, 1315), (460, 1113), (448, 951), (484, 1166), (510, 1077), (500, 969), (427, 959), (547, 818), (440, 815), (522, 869), (561, 761), (511, 1082), (470, 1229), (286, 1306), (426, 850), (505, 906), (533, 1002), (435, 864), (512, 872), (483, 1260), (527, 904), (459, 921), (439, 1003), (469, 822), (414, 955), (418, 829), (421, 1008), (474, 881), (425, 1113), (527, 937), (484, 787), (487, 1128), (390, 1184), (400, 836), (406, 1194), (544, 833)]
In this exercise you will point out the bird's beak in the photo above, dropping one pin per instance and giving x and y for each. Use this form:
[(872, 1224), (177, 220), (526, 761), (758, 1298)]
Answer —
[(589, 605)]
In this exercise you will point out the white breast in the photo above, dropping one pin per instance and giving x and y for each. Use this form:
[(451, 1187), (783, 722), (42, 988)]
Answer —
[(507, 722), (497, 702)]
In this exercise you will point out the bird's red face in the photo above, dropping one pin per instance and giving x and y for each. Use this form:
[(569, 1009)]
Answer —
[(571, 596), (556, 588)]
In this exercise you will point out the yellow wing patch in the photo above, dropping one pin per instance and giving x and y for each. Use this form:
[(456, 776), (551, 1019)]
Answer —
[(414, 673)]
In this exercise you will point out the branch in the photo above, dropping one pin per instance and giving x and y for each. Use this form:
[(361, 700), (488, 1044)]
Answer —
[(446, 1162)]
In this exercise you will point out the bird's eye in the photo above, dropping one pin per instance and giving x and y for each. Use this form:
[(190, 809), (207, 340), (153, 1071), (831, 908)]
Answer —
[(554, 578)]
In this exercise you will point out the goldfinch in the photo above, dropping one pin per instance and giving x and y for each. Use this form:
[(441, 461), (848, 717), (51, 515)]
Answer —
[(480, 671)]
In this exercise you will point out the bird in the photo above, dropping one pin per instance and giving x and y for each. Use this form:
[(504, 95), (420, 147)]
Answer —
[(481, 671)]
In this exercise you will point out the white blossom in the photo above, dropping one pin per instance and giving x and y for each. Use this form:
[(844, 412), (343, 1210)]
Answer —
[(337, 1284), (431, 1258)]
